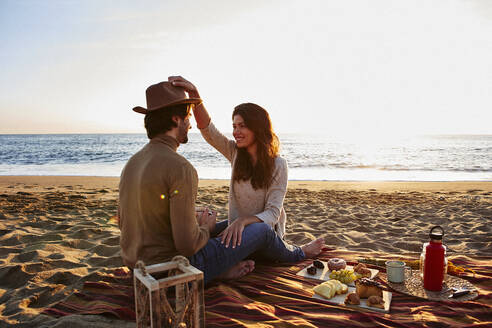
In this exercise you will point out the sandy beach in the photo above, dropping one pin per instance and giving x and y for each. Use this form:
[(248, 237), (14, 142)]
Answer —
[(57, 232)]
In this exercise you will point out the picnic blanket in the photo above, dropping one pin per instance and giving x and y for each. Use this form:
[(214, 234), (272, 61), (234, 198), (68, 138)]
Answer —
[(273, 295)]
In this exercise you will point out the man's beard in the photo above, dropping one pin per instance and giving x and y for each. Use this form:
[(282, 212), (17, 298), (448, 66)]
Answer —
[(182, 133)]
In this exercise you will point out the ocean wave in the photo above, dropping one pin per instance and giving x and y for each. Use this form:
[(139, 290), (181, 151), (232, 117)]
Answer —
[(455, 156)]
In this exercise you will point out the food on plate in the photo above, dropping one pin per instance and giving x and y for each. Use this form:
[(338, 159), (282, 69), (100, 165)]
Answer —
[(341, 287), (352, 299), (345, 276), (311, 270), (375, 301), (330, 288), (364, 273), (359, 266), (365, 288), (336, 264), (318, 264), (362, 270)]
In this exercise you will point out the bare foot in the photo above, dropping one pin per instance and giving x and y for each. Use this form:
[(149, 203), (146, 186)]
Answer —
[(313, 248), (239, 270)]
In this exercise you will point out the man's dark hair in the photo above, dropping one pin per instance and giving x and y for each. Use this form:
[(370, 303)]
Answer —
[(161, 120)]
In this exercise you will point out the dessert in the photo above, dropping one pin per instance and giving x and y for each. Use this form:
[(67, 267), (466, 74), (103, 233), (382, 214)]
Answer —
[(365, 288), (362, 270), (375, 301), (311, 270), (330, 288), (359, 266), (318, 264), (352, 299), (336, 264)]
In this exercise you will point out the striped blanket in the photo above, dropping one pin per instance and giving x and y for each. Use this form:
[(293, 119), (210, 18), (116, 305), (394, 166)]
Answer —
[(274, 296)]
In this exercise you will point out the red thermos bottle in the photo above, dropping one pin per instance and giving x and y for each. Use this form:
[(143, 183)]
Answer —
[(435, 263)]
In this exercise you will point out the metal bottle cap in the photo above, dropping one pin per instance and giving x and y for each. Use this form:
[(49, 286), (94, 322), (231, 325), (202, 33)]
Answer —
[(436, 235)]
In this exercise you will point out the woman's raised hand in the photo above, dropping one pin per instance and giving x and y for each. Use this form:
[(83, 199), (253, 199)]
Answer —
[(199, 112), (180, 81)]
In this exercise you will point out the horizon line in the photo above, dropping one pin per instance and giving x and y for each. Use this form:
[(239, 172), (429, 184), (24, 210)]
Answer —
[(228, 133)]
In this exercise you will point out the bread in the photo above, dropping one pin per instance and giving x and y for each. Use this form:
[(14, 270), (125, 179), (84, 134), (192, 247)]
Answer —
[(375, 301), (330, 288), (365, 288)]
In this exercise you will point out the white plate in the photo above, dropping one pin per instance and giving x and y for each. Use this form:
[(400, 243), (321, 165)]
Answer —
[(340, 300), (325, 273)]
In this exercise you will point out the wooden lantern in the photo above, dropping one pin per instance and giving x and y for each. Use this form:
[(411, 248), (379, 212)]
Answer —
[(169, 294)]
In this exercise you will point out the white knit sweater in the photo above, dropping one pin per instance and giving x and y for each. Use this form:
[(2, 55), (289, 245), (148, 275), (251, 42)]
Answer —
[(265, 204)]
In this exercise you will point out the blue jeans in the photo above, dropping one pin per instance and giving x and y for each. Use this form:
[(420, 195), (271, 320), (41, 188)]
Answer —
[(259, 241)]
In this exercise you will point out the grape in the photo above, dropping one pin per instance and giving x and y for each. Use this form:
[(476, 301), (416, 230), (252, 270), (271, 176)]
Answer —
[(345, 276)]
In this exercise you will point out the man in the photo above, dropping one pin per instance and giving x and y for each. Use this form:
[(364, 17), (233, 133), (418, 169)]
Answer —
[(158, 190)]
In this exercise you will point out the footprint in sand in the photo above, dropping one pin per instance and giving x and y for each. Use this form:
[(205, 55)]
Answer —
[(4, 231), (63, 226), (112, 241), (9, 250), (89, 233), (32, 239), (36, 267), (104, 250), (78, 243), (14, 276), (66, 277), (26, 257), (41, 297), (12, 241), (64, 264), (105, 262), (56, 256), (76, 197)]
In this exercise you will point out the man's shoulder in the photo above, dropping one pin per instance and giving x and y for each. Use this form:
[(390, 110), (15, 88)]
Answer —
[(162, 157), (179, 160), (175, 161)]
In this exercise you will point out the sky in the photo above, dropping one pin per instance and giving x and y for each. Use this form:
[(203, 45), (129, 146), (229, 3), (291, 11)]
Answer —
[(343, 68)]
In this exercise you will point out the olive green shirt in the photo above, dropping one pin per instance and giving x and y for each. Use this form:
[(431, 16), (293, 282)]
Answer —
[(157, 219)]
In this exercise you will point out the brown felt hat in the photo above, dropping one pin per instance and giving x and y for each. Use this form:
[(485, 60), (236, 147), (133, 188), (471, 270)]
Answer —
[(164, 94)]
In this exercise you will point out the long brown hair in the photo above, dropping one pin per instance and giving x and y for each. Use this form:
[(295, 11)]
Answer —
[(267, 147)]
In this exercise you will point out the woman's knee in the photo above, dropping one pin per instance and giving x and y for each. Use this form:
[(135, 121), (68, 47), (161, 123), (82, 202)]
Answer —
[(261, 228)]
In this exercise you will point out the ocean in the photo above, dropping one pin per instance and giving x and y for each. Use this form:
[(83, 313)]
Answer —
[(310, 157)]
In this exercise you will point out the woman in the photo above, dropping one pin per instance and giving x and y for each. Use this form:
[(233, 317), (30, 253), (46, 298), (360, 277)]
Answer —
[(259, 175)]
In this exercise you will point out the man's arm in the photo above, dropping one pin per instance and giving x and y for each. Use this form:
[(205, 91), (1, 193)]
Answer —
[(189, 237)]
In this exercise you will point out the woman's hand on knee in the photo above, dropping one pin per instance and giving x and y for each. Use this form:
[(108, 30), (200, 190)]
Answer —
[(232, 235)]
